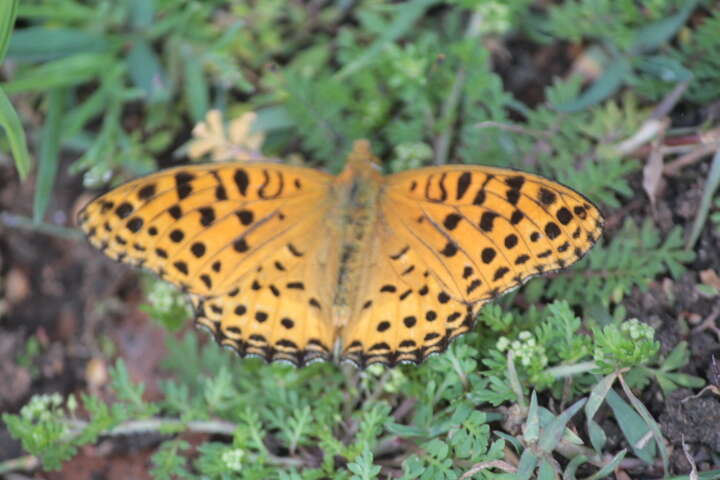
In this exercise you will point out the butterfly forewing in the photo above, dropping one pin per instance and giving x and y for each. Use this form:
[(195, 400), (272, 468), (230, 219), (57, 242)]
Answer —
[(203, 227), (490, 229)]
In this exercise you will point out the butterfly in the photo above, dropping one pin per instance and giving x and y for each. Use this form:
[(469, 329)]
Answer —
[(295, 265)]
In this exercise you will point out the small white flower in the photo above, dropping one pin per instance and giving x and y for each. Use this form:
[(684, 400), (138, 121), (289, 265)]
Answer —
[(233, 459)]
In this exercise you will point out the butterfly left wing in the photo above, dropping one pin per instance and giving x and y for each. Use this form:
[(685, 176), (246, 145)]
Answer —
[(452, 238), (240, 238)]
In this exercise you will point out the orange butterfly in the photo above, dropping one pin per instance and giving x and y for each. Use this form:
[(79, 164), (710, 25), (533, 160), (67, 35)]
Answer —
[(292, 264)]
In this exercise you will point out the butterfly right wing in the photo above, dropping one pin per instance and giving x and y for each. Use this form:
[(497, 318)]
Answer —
[(450, 239)]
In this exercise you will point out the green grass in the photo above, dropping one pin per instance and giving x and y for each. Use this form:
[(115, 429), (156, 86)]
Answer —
[(418, 79)]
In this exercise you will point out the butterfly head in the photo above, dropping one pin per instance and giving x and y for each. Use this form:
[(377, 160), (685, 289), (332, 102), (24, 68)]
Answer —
[(361, 161)]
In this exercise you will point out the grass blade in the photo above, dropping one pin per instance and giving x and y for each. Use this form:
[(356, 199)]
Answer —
[(10, 122), (608, 83), (553, 433), (196, 87), (147, 73), (39, 44), (711, 186), (49, 154), (8, 12), (66, 71), (650, 421), (658, 33)]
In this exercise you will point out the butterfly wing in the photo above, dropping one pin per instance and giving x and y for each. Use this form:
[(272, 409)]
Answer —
[(239, 238), (451, 239)]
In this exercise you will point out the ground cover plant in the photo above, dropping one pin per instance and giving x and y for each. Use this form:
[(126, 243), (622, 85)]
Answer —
[(607, 369)]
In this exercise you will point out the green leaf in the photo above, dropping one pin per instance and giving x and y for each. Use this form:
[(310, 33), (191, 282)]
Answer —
[(8, 12), (614, 76), (707, 475), (168, 462), (572, 466), (10, 122), (552, 434), (665, 68), (532, 424), (711, 186), (406, 15), (41, 44), (94, 104), (142, 13), (597, 397), (658, 33), (545, 471), (406, 430), (609, 467), (196, 87), (49, 153), (64, 72), (678, 358), (58, 11), (146, 72), (273, 118), (526, 467), (632, 425), (363, 467)]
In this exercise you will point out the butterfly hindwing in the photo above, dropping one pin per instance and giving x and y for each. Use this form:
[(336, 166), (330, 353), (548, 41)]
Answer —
[(404, 313)]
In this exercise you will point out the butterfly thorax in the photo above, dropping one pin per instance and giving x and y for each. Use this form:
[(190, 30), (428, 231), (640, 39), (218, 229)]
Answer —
[(357, 190)]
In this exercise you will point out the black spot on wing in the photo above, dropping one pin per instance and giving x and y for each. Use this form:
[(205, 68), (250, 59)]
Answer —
[(240, 245), (564, 215), (177, 235), (580, 212), (516, 217), (146, 192), (546, 197), (500, 272), (486, 221), (402, 252), (294, 250), (245, 216), (467, 272), (198, 249), (124, 210), (241, 181), (487, 255), (515, 182), (463, 184), (207, 216), (450, 249), (552, 230), (175, 211), (134, 224), (451, 221)]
